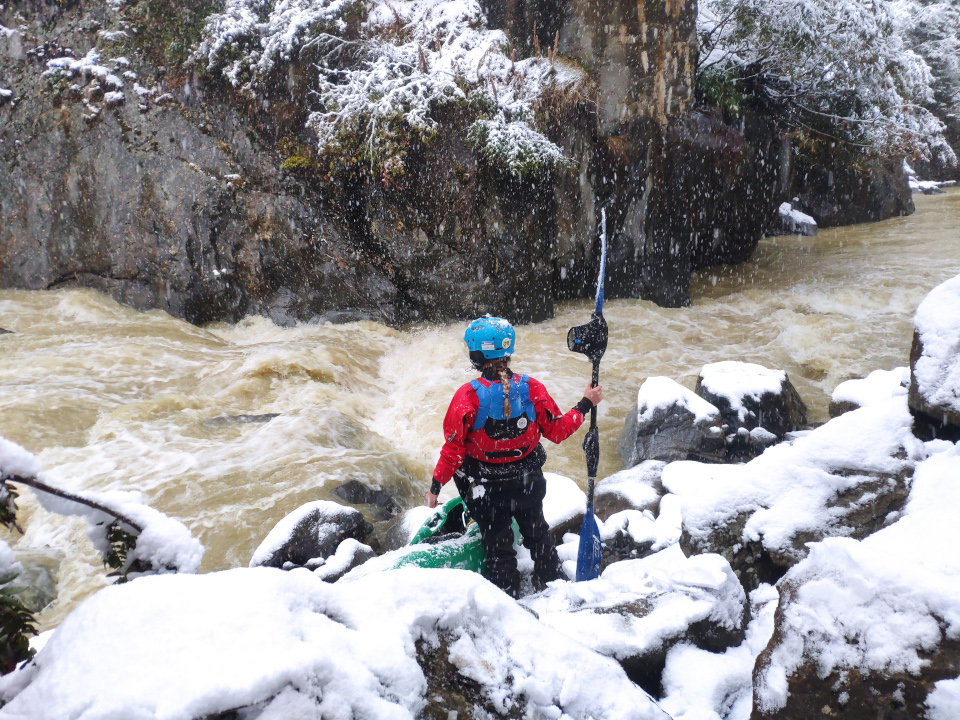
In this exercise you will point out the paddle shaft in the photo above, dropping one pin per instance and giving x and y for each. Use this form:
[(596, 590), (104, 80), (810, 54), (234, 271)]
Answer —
[(592, 450)]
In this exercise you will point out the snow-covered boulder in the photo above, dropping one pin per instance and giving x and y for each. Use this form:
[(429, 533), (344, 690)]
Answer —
[(631, 534), (266, 645), (636, 488), (935, 363), (871, 628), (791, 221), (670, 423), (845, 478), (876, 387), (350, 554), (638, 609), (313, 530), (703, 685), (758, 405)]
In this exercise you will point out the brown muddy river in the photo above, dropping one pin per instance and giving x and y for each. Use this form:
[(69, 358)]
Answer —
[(110, 398)]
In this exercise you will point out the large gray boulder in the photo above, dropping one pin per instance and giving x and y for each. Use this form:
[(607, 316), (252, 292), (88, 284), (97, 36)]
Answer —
[(934, 395), (314, 530), (671, 423)]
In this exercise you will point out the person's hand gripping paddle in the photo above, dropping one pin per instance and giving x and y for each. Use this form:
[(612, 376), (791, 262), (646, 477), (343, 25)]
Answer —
[(591, 340)]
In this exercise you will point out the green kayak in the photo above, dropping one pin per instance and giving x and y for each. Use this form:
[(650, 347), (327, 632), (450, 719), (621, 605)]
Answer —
[(449, 539)]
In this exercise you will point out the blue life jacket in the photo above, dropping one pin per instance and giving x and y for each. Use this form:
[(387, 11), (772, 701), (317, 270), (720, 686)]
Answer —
[(491, 401)]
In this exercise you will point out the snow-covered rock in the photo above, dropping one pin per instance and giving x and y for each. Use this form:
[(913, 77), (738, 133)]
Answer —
[(313, 530), (631, 534), (350, 554), (402, 644), (869, 628), (844, 478), (791, 221), (636, 488), (935, 363), (750, 396), (670, 423), (703, 685), (638, 609), (876, 387), (563, 505)]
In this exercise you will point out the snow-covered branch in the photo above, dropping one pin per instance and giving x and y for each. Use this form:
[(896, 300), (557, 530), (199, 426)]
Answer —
[(133, 538)]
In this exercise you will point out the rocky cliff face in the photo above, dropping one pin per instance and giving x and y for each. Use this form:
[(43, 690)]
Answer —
[(137, 172)]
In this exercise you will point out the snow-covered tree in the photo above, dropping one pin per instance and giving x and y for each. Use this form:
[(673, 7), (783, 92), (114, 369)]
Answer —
[(386, 72), (836, 69)]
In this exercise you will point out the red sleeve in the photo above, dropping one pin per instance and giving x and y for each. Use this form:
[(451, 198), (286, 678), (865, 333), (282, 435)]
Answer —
[(456, 424), (555, 426)]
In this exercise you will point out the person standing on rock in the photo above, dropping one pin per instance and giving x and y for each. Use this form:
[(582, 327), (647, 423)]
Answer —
[(492, 451)]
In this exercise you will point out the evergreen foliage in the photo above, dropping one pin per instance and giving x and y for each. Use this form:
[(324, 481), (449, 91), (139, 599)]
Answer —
[(830, 69), (17, 623)]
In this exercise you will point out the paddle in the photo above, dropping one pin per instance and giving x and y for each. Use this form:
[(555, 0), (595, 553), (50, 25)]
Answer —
[(591, 340)]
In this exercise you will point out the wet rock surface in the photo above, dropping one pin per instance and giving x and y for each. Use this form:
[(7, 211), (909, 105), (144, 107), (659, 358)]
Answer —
[(387, 504), (847, 194), (186, 196)]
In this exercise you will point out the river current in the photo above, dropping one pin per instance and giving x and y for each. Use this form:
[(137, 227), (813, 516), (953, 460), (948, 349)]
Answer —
[(111, 398)]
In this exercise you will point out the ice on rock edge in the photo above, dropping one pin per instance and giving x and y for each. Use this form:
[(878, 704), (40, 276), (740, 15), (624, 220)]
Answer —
[(346, 650), (659, 393)]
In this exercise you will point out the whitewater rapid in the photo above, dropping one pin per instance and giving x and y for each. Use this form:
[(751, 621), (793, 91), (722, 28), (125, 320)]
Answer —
[(111, 398)]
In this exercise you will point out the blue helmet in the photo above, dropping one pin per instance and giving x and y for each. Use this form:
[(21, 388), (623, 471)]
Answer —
[(488, 338)]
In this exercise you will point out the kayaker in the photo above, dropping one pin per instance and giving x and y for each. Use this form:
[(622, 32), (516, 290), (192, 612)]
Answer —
[(492, 451)]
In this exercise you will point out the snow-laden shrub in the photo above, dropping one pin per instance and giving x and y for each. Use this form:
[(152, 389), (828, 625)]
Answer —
[(388, 71), (838, 68), (251, 38), (514, 146)]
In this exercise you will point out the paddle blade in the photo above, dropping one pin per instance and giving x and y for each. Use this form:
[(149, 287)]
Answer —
[(589, 554), (589, 339)]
